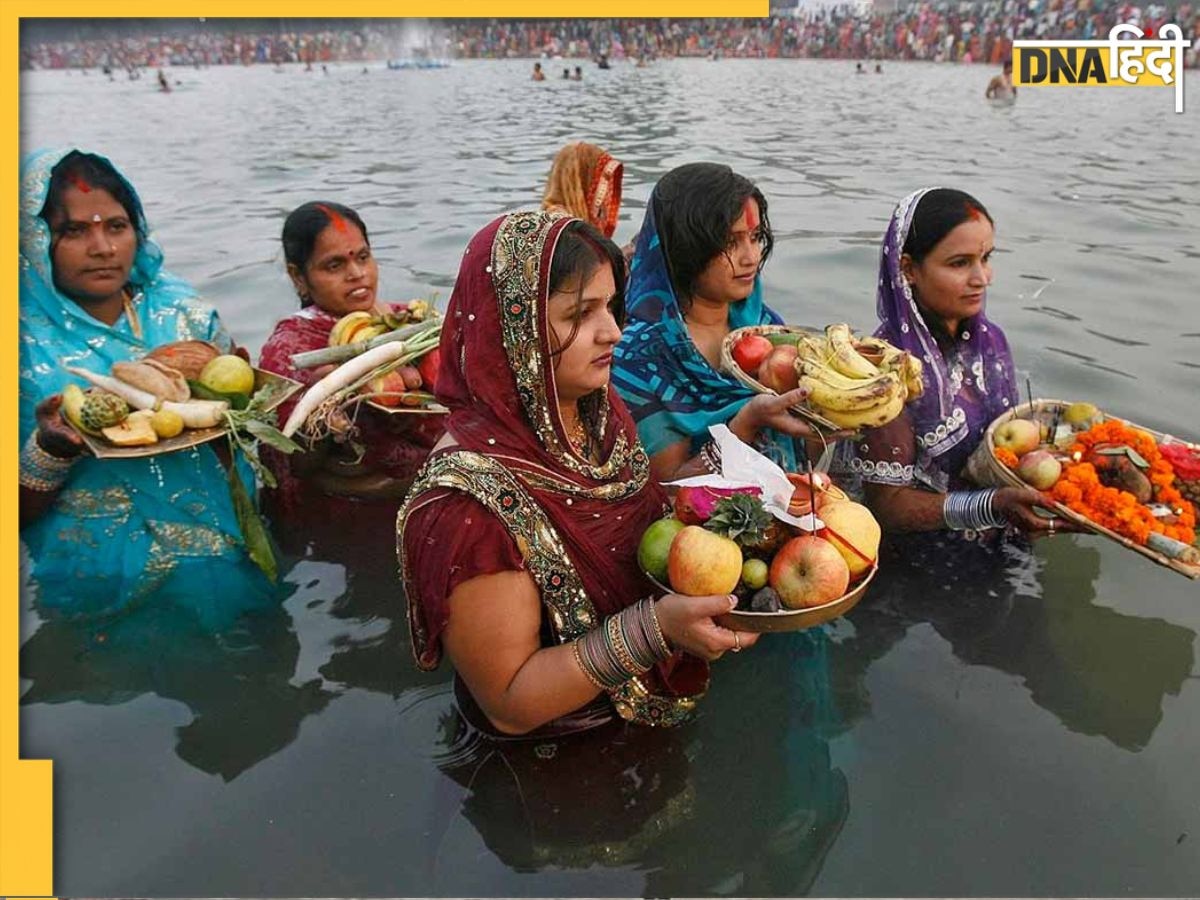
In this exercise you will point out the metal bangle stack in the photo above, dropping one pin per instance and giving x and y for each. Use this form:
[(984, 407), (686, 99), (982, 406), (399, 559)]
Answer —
[(971, 510), (624, 646), (42, 471)]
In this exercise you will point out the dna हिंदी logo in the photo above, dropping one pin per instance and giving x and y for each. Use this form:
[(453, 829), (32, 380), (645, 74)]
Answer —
[(1140, 60)]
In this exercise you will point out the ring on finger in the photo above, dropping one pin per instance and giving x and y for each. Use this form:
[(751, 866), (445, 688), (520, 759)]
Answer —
[(1050, 525), (737, 643)]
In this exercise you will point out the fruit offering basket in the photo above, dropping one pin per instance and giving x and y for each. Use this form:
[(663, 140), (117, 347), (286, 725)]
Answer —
[(387, 391), (794, 549), (180, 395), (1129, 483), (853, 382)]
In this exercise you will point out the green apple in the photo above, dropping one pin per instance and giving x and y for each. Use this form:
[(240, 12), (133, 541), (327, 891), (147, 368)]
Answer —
[(656, 545)]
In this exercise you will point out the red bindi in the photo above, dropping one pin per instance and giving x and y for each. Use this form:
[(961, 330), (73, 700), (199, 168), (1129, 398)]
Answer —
[(335, 220), (750, 208)]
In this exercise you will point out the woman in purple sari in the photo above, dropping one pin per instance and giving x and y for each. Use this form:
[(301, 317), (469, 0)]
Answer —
[(934, 270)]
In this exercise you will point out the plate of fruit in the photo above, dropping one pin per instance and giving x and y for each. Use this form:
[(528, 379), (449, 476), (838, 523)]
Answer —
[(179, 395), (1127, 482), (395, 392), (723, 540), (853, 382)]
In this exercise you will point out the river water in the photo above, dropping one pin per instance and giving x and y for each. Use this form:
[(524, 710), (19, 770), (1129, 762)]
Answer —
[(1022, 728)]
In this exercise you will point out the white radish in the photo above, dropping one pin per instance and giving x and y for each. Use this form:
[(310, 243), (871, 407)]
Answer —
[(195, 413), (341, 377), (135, 397), (199, 413)]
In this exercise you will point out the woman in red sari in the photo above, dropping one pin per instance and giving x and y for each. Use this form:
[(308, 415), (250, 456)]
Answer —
[(518, 540), (329, 260), (585, 182)]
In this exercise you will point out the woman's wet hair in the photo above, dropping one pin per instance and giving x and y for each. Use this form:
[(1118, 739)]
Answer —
[(695, 206), (580, 251), (938, 213), (87, 172)]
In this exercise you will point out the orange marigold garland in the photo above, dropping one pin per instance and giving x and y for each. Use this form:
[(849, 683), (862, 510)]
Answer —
[(1080, 489), (1005, 457)]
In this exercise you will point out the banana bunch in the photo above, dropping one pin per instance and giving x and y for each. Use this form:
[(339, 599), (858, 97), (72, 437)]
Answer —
[(356, 326), (856, 382), (363, 325)]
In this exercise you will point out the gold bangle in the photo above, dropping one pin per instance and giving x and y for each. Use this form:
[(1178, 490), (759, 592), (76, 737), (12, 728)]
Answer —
[(616, 643), (584, 667), (663, 646)]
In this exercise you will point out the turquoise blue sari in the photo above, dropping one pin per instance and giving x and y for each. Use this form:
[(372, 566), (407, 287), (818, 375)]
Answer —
[(672, 391), (125, 532)]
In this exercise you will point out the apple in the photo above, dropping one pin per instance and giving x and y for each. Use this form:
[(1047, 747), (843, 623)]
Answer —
[(656, 545), (851, 528), (778, 371), (389, 383), (701, 563), (428, 367), (1018, 435), (808, 571), (750, 351), (1039, 469)]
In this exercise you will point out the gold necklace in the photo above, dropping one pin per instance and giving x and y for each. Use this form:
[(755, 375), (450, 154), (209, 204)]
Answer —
[(578, 437)]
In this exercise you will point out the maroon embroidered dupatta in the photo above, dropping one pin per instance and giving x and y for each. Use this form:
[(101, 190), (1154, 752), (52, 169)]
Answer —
[(579, 533)]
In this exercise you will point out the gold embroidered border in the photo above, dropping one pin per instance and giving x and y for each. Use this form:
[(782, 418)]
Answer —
[(567, 603), (517, 277)]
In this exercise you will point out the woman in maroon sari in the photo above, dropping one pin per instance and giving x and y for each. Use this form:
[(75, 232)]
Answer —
[(330, 263), (518, 540)]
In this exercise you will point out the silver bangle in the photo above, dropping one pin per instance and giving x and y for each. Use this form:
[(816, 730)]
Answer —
[(42, 471), (971, 510)]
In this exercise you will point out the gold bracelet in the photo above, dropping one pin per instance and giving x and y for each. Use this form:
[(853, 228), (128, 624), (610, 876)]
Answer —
[(663, 646), (584, 667), (616, 643)]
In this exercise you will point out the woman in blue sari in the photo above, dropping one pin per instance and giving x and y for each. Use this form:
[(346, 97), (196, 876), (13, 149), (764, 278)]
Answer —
[(107, 535), (695, 277)]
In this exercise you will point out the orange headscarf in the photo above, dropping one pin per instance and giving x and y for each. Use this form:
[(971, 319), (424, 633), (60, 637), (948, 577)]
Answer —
[(585, 182)]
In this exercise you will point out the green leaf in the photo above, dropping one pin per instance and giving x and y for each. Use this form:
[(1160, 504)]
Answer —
[(272, 436), (254, 532), (1134, 457)]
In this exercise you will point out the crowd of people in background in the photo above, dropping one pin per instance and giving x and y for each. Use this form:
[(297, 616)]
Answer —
[(934, 30)]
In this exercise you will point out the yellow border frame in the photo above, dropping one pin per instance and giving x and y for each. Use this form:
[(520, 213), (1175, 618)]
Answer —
[(26, 789)]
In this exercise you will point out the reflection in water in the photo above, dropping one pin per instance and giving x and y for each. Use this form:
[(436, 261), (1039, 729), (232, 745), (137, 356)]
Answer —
[(237, 683), (359, 538), (751, 810), (1099, 671)]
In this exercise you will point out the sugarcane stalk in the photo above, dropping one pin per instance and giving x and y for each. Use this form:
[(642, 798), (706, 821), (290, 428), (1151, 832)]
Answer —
[(326, 355)]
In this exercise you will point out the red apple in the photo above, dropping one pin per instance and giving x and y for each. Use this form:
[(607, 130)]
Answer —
[(428, 367), (750, 351), (778, 371), (389, 383), (701, 563), (1039, 469), (1018, 435), (808, 571)]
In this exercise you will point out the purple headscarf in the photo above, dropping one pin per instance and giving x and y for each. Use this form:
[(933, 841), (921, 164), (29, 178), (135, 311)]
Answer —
[(966, 387)]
